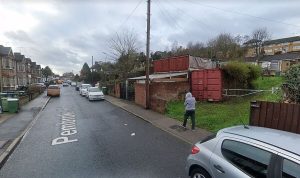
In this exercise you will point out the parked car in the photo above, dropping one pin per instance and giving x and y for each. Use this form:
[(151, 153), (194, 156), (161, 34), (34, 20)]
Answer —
[(77, 88), (94, 93), (53, 90), (41, 85), (73, 84), (65, 84), (246, 151), (83, 89)]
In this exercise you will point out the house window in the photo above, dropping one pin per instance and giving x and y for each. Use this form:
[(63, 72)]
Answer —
[(296, 47), (6, 63)]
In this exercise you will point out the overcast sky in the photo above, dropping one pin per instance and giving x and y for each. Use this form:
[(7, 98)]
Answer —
[(65, 34)]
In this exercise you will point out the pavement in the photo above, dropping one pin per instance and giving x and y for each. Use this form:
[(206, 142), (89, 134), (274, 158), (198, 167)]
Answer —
[(14, 126), (161, 121)]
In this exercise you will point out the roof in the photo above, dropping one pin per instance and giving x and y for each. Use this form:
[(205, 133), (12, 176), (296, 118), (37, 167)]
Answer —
[(159, 75), (28, 60), (282, 40), (284, 56), (4, 51), (281, 139), (19, 56), (252, 41)]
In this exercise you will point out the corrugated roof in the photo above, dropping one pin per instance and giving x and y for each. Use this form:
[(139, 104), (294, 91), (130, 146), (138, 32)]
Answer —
[(158, 76), (282, 40), (4, 51), (278, 57)]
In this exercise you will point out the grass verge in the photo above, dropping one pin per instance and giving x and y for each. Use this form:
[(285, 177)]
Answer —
[(215, 116)]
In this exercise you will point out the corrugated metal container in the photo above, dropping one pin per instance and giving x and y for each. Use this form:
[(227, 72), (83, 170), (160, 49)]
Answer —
[(165, 65), (161, 65), (156, 65), (207, 84), (179, 63)]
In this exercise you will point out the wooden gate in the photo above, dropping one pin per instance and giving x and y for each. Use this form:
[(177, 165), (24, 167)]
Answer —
[(281, 116)]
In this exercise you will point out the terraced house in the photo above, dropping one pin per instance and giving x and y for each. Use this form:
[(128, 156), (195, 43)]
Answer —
[(20, 69), (28, 70), (7, 69), (17, 71), (276, 55)]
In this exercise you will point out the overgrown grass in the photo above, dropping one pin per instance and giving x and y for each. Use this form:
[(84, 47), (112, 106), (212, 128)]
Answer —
[(215, 116)]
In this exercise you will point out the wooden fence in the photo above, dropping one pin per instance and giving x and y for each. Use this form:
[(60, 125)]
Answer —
[(281, 116)]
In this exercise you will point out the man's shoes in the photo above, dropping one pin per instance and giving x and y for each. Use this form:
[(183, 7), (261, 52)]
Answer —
[(184, 126)]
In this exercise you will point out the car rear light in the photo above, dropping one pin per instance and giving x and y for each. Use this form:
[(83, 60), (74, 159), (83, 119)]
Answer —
[(195, 150)]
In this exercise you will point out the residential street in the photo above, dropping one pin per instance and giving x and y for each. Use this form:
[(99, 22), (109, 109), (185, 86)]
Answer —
[(77, 138)]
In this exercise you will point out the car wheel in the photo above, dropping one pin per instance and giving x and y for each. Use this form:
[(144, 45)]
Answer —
[(199, 173)]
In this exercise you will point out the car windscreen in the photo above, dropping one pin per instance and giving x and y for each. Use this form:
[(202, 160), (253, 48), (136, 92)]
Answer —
[(94, 90), (85, 86), (53, 87)]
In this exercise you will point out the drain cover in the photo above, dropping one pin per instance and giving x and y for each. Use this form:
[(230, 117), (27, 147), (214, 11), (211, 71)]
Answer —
[(178, 128)]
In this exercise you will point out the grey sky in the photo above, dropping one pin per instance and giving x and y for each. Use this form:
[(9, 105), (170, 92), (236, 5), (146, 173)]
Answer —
[(65, 34)]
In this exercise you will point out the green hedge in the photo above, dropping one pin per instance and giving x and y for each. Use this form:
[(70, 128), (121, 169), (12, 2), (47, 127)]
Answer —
[(292, 79), (240, 74)]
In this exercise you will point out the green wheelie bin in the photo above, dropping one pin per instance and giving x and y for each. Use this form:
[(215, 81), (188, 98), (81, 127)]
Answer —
[(13, 105)]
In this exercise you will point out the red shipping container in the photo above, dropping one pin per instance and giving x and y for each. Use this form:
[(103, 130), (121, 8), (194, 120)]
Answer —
[(207, 84), (179, 63)]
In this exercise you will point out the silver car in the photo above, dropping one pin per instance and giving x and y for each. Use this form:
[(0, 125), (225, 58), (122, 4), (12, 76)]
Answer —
[(246, 151), (83, 89)]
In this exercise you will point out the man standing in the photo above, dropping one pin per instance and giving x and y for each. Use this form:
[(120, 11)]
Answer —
[(189, 104)]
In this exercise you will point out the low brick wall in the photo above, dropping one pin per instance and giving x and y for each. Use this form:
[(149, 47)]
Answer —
[(140, 94), (160, 94), (23, 100)]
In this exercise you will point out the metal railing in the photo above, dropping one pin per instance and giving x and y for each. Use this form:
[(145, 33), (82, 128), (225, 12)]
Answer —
[(246, 92)]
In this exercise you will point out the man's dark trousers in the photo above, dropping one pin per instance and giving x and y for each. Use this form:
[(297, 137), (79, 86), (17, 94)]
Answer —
[(189, 113)]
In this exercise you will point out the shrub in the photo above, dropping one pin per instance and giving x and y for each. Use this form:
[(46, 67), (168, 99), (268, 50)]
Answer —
[(240, 75), (255, 72), (292, 78)]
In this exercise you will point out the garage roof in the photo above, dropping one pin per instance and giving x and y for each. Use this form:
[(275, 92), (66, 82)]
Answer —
[(159, 76)]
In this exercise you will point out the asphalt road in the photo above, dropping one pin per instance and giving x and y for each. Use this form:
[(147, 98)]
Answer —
[(94, 139)]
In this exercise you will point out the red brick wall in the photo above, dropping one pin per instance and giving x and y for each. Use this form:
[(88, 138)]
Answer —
[(160, 94), (117, 90), (169, 90), (140, 94)]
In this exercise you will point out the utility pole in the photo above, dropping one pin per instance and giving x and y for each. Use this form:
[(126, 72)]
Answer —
[(147, 55), (92, 70)]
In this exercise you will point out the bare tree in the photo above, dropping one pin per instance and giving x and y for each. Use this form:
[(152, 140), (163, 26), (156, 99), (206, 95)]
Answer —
[(258, 37), (125, 49), (224, 46), (124, 44)]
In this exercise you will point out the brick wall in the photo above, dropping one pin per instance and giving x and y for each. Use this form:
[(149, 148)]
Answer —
[(160, 94), (117, 90), (140, 94)]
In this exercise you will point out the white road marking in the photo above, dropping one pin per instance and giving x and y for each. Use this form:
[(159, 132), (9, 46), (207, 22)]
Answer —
[(68, 128)]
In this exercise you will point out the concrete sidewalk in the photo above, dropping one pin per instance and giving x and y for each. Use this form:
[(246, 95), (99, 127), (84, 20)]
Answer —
[(161, 121), (14, 126)]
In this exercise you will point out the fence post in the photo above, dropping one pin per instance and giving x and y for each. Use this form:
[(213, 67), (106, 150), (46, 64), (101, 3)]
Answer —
[(254, 107)]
